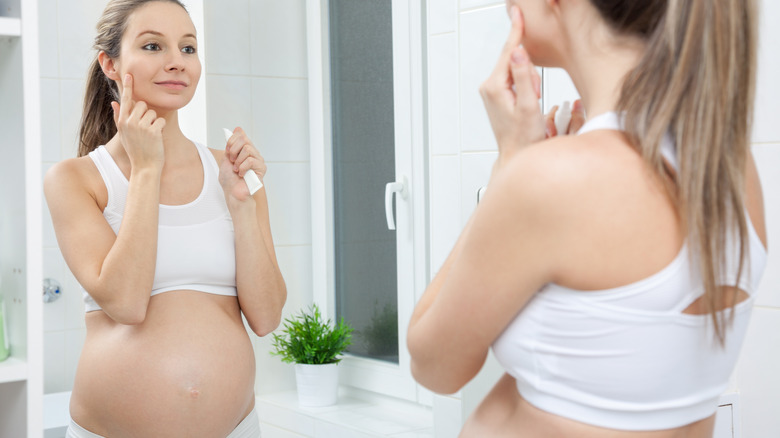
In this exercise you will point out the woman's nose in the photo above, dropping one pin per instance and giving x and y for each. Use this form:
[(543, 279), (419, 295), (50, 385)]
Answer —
[(175, 61)]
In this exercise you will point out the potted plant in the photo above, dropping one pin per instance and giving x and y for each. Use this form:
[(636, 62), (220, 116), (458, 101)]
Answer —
[(314, 346)]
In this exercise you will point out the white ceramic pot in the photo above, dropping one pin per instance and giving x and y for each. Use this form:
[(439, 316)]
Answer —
[(318, 385)]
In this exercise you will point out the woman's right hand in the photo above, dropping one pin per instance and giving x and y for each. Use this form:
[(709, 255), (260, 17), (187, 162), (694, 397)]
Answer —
[(511, 96), (575, 123), (139, 129)]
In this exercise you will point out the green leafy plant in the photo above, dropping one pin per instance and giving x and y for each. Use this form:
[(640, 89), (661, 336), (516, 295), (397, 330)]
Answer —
[(381, 336), (307, 339)]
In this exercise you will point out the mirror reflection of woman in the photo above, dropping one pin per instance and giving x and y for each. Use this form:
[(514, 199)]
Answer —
[(612, 272), (167, 242)]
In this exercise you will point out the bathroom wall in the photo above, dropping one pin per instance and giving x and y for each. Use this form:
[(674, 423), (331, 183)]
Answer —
[(257, 79), (66, 33), (464, 39)]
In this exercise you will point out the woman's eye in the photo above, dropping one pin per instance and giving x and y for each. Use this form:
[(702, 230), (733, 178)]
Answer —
[(151, 46), (189, 50)]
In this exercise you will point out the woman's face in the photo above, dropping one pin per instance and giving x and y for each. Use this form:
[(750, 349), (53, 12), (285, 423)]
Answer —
[(542, 31), (159, 49)]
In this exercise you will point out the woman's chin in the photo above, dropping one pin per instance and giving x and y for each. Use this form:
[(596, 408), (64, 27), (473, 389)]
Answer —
[(166, 106)]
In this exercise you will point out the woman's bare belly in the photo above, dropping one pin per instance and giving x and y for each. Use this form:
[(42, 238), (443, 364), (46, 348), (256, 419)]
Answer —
[(505, 414), (187, 370)]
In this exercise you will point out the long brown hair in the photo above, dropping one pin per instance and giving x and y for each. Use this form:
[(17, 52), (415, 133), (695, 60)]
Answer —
[(97, 119), (696, 81)]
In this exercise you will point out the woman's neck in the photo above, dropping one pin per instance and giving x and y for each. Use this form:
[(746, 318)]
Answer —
[(176, 144), (598, 67), (173, 138)]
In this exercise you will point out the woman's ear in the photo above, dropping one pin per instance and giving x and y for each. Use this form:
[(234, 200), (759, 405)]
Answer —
[(108, 65)]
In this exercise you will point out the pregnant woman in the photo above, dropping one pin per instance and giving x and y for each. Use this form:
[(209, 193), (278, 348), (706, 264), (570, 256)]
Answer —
[(612, 272), (166, 240)]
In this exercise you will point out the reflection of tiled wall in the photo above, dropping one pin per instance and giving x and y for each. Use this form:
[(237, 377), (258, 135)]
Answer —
[(464, 39), (256, 75), (66, 32)]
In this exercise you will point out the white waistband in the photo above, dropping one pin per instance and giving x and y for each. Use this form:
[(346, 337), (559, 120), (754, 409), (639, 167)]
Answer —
[(248, 428)]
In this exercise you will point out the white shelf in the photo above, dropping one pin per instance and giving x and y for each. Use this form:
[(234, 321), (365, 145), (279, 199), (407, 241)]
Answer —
[(13, 370), (10, 27), (354, 415)]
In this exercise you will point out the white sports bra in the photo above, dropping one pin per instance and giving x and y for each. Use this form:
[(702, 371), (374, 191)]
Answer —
[(195, 241), (628, 358)]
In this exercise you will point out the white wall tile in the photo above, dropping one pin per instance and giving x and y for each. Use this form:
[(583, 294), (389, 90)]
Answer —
[(442, 16), (74, 343), (51, 147), (280, 110), (47, 46), (49, 239), (72, 295), (767, 158), (475, 173), (54, 363), (445, 215), (443, 94), (289, 203), (557, 88), (71, 102), (469, 4), (54, 313), (278, 36), (229, 105), (76, 34), (447, 416), (228, 37), (768, 88), (758, 375), (296, 265), (482, 35)]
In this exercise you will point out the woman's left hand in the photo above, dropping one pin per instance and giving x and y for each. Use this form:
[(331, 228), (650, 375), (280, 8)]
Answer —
[(511, 96), (240, 157)]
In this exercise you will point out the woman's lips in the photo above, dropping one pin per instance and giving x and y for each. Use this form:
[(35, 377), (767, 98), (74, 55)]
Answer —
[(175, 85)]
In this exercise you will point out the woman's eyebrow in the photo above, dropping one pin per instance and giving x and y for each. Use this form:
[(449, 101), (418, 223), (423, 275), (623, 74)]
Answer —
[(154, 32)]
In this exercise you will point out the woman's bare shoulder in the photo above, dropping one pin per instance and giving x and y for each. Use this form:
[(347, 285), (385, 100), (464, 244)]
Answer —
[(72, 176), (70, 170), (574, 165)]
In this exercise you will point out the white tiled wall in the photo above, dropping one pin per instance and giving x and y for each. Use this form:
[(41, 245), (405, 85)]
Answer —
[(256, 78), (67, 29), (464, 39)]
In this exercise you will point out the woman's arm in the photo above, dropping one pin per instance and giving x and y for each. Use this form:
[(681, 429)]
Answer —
[(116, 269), (261, 288), (506, 252)]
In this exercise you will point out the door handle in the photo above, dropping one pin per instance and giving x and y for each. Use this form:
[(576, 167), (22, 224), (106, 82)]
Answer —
[(390, 188)]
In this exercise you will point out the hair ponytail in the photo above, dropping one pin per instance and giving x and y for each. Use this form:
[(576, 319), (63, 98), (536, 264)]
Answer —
[(696, 81), (97, 120)]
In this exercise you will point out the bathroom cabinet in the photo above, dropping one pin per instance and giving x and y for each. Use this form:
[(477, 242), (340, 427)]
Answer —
[(21, 376)]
